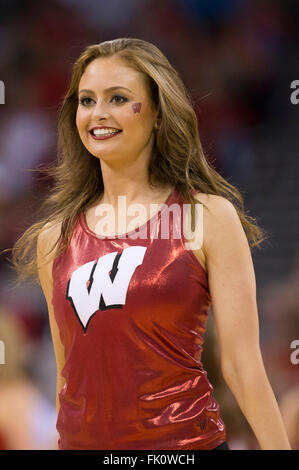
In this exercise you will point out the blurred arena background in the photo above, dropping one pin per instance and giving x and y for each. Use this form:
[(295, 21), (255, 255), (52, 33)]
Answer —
[(238, 58)]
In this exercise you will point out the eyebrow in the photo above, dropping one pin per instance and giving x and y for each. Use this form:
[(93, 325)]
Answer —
[(107, 89)]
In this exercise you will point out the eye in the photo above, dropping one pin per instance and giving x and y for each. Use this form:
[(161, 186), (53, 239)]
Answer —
[(83, 101), (121, 97)]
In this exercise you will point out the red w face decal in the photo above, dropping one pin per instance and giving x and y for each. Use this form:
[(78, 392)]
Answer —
[(136, 107)]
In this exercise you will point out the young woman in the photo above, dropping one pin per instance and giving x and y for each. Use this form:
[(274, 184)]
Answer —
[(128, 313)]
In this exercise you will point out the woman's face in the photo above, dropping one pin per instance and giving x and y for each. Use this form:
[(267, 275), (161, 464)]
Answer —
[(128, 109)]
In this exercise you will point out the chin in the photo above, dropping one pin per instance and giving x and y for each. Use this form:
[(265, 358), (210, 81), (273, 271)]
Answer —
[(104, 156)]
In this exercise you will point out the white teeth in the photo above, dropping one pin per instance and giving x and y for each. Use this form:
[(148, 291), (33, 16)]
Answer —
[(104, 131)]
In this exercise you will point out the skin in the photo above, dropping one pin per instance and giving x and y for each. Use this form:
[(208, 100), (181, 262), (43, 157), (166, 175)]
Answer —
[(225, 252), (136, 107), (233, 292), (124, 158), (46, 239)]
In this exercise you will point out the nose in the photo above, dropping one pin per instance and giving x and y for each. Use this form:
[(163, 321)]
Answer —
[(100, 111)]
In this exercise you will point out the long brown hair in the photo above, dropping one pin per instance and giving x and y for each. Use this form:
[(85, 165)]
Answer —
[(177, 156)]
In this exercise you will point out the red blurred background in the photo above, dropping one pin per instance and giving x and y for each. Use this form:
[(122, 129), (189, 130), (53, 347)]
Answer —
[(238, 60)]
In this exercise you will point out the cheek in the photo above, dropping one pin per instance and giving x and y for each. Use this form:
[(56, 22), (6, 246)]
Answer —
[(81, 123), (78, 119), (136, 107)]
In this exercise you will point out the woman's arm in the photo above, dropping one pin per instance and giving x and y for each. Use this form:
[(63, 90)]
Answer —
[(233, 293), (46, 239)]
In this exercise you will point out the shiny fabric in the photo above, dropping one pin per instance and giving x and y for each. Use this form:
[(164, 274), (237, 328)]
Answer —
[(131, 315)]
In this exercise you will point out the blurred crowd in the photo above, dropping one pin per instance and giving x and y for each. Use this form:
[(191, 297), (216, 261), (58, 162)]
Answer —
[(229, 55)]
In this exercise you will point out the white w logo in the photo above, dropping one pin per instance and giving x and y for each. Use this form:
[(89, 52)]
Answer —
[(103, 284)]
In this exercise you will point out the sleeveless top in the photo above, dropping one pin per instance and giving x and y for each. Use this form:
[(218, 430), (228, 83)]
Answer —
[(132, 313)]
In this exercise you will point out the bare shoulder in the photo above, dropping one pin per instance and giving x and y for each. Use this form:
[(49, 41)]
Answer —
[(217, 210), (46, 250), (47, 238), (220, 221), (215, 203)]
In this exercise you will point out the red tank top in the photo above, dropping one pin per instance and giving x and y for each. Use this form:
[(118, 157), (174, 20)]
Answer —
[(131, 315)]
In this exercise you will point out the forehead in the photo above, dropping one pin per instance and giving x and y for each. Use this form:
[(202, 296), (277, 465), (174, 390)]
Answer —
[(105, 72)]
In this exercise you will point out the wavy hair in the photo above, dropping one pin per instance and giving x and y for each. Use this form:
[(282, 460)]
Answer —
[(177, 156)]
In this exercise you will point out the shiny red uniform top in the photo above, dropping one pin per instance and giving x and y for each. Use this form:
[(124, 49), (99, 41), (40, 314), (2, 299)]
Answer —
[(131, 314)]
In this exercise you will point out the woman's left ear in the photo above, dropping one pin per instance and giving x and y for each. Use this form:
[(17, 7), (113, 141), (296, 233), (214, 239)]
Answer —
[(157, 123)]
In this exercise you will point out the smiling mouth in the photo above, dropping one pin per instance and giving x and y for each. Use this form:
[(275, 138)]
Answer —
[(104, 135)]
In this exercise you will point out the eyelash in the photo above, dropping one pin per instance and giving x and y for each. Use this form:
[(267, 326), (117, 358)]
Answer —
[(82, 100)]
